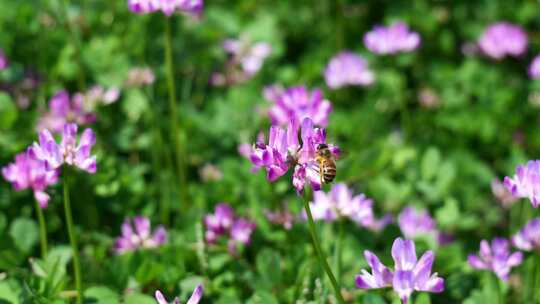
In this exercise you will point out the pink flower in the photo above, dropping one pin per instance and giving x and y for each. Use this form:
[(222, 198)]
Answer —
[(534, 68), (139, 235), (63, 110), (392, 39), (167, 7), (224, 222), (526, 182), (29, 172), (4, 62), (503, 39), (68, 151)]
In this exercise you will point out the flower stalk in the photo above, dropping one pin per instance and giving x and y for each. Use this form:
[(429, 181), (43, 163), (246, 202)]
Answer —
[(174, 125), (317, 245), (72, 237), (42, 230)]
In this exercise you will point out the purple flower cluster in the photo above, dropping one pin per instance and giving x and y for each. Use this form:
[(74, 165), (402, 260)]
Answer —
[(526, 182), (4, 62), (528, 238), (68, 151), (347, 68), (284, 151), (79, 109), (496, 258), (283, 217), (224, 221), (245, 60), (392, 39), (298, 103), (340, 203), (167, 7), (137, 234), (502, 194), (534, 68), (29, 172), (503, 39), (194, 299), (410, 274)]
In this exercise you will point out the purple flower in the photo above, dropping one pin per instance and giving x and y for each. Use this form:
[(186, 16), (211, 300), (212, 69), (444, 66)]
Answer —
[(29, 172), (526, 182), (528, 238), (340, 203), (245, 60), (297, 103), (273, 92), (284, 152), (68, 151), (377, 225), (391, 39), (136, 234), (502, 194), (4, 63), (64, 110), (410, 274), (282, 217), (496, 258), (194, 299), (167, 7), (219, 222), (347, 68), (534, 68), (223, 222), (503, 39), (413, 222)]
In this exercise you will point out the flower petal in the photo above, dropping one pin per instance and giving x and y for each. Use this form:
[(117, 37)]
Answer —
[(404, 254)]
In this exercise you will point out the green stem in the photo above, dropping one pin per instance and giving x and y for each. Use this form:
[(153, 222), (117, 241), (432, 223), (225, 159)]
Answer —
[(536, 287), (338, 251), (174, 112), (72, 237), (77, 41), (320, 253), (42, 230)]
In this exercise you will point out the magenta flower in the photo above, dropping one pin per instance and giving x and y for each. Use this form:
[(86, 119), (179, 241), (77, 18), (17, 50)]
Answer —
[(496, 258), (167, 7), (63, 110), (224, 222), (526, 182), (297, 103), (391, 39), (347, 68), (139, 235), (4, 62), (194, 299), (413, 222), (284, 152), (219, 222), (534, 68), (502, 194), (29, 172), (68, 151), (503, 39), (282, 217), (273, 92), (528, 238), (410, 274)]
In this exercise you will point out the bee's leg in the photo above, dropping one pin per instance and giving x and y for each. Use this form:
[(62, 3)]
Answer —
[(321, 176)]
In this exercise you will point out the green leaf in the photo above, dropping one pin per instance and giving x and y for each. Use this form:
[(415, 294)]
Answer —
[(134, 104), (430, 163), (138, 298), (7, 294), (101, 295), (268, 266), (25, 233), (8, 111)]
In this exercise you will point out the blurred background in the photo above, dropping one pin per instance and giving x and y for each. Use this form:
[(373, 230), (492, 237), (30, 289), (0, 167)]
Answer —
[(435, 129)]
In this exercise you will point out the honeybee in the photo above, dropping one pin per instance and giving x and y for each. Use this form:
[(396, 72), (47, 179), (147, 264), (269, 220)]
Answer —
[(327, 164)]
